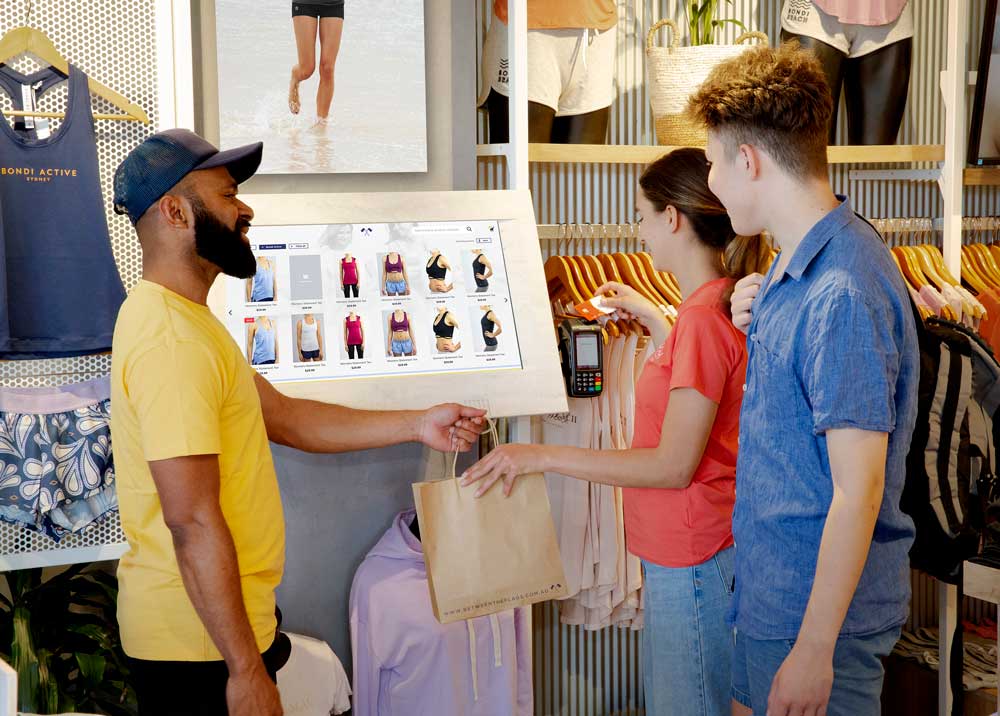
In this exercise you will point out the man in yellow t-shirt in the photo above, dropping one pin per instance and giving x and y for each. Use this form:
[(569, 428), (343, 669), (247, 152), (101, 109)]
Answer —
[(191, 422)]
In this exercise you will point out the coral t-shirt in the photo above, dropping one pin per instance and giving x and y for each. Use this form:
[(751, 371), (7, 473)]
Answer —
[(704, 351)]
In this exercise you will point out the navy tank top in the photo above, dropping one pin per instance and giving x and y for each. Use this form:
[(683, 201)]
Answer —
[(61, 289)]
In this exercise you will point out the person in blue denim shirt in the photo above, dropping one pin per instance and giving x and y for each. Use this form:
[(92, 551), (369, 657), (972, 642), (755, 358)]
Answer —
[(822, 574)]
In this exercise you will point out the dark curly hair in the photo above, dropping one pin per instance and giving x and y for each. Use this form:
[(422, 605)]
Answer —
[(774, 98)]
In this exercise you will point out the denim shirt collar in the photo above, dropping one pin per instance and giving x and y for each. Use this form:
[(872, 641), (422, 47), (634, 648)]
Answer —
[(818, 237)]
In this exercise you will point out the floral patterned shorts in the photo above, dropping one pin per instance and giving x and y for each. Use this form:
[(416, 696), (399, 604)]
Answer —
[(56, 469)]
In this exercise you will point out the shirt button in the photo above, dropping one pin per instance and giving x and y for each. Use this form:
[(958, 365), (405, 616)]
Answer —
[(744, 387), (753, 337)]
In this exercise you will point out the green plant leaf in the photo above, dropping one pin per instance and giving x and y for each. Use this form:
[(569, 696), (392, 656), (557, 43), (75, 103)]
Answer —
[(92, 667)]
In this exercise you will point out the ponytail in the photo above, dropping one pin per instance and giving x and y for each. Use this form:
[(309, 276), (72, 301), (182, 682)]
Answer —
[(744, 255)]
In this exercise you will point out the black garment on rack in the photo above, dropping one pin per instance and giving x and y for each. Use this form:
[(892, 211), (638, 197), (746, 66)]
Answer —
[(441, 327), (61, 288)]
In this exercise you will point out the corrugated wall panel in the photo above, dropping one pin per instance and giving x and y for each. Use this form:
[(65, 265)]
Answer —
[(582, 673)]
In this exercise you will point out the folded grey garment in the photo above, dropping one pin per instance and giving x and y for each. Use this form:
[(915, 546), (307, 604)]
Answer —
[(972, 677)]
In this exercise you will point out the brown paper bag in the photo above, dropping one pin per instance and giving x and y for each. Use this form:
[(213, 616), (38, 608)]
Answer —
[(488, 555)]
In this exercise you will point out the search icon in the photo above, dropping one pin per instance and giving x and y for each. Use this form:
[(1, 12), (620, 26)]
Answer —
[(468, 228)]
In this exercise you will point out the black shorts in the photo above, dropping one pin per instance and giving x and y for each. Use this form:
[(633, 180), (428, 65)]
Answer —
[(311, 355), (191, 688), (320, 10)]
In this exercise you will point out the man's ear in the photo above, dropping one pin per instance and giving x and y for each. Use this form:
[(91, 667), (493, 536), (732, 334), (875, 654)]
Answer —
[(749, 161), (175, 211)]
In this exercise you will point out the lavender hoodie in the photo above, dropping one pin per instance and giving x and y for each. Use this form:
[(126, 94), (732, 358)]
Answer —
[(407, 664)]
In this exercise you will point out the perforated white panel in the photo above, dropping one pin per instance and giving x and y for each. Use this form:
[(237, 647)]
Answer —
[(114, 42)]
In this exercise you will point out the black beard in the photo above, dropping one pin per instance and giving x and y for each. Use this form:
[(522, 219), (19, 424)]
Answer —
[(222, 245)]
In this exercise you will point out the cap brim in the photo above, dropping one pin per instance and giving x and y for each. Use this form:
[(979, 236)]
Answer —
[(242, 162)]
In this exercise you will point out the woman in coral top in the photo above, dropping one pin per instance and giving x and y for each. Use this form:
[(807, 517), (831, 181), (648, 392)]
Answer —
[(679, 475)]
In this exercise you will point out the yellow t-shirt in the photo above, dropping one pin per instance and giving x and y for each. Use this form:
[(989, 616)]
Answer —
[(568, 14), (180, 386)]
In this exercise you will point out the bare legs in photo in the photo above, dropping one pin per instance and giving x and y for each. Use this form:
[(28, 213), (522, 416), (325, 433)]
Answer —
[(329, 31)]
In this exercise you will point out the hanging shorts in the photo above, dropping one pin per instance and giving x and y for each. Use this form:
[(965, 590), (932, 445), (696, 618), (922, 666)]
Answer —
[(56, 468), (802, 17), (318, 10), (572, 71)]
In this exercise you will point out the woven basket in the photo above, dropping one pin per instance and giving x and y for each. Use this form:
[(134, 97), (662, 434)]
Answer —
[(675, 72)]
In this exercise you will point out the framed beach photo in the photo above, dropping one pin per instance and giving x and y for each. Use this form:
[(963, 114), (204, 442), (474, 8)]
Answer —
[(984, 137), (330, 86)]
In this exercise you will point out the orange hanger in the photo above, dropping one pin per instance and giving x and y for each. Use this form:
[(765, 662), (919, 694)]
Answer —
[(632, 278), (656, 278), (926, 268), (938, 260), (975, 262), (560, 281), (991, 270), (970, 273), (911, 271)]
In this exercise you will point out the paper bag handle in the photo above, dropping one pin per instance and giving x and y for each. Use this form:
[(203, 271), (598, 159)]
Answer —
[(496, 443)]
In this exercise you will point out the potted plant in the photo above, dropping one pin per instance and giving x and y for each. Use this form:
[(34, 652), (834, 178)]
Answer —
[(703, 20), (675, 72), (61, 636)]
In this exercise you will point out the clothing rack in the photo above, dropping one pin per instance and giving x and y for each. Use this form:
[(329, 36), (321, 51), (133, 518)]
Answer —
[(606, 232), (922, 225)]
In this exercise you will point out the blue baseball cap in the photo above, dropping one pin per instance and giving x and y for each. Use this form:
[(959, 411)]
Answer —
[(155, 166)]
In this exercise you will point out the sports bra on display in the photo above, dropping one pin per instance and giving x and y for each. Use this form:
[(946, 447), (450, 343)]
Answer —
[(400, 326), (435, 269), (350, 269), (396, 267), (441, 327)]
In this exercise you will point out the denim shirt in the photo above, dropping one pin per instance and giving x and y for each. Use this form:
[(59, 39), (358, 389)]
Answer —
[(831, 345)]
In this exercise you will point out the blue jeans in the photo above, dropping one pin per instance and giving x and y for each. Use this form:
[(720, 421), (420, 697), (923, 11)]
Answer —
[(857, 671), (686, 645), (395, 288)]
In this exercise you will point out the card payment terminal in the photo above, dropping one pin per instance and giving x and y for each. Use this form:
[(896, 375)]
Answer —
[(581, 349)]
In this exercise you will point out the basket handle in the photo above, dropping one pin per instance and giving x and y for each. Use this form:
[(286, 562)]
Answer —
[(674, 38), (754, 35)]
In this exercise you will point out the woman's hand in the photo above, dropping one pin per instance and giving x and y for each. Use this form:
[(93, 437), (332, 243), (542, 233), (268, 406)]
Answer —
[(507, 462), (627, 302)]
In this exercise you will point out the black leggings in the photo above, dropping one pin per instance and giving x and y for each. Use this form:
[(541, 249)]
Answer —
[(349, 288), (360, 350)]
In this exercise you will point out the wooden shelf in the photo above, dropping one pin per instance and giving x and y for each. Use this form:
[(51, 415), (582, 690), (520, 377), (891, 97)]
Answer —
[(982, 176), (644, 154), (982, 582)]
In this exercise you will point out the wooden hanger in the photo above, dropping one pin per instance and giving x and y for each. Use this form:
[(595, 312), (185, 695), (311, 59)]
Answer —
[(657, 278), (631, 275), (588, 282), (911, 271), (934, 253), (926, 267), (988, 264), (970, 274), (978, 267), (560, 281), (25, 39)]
